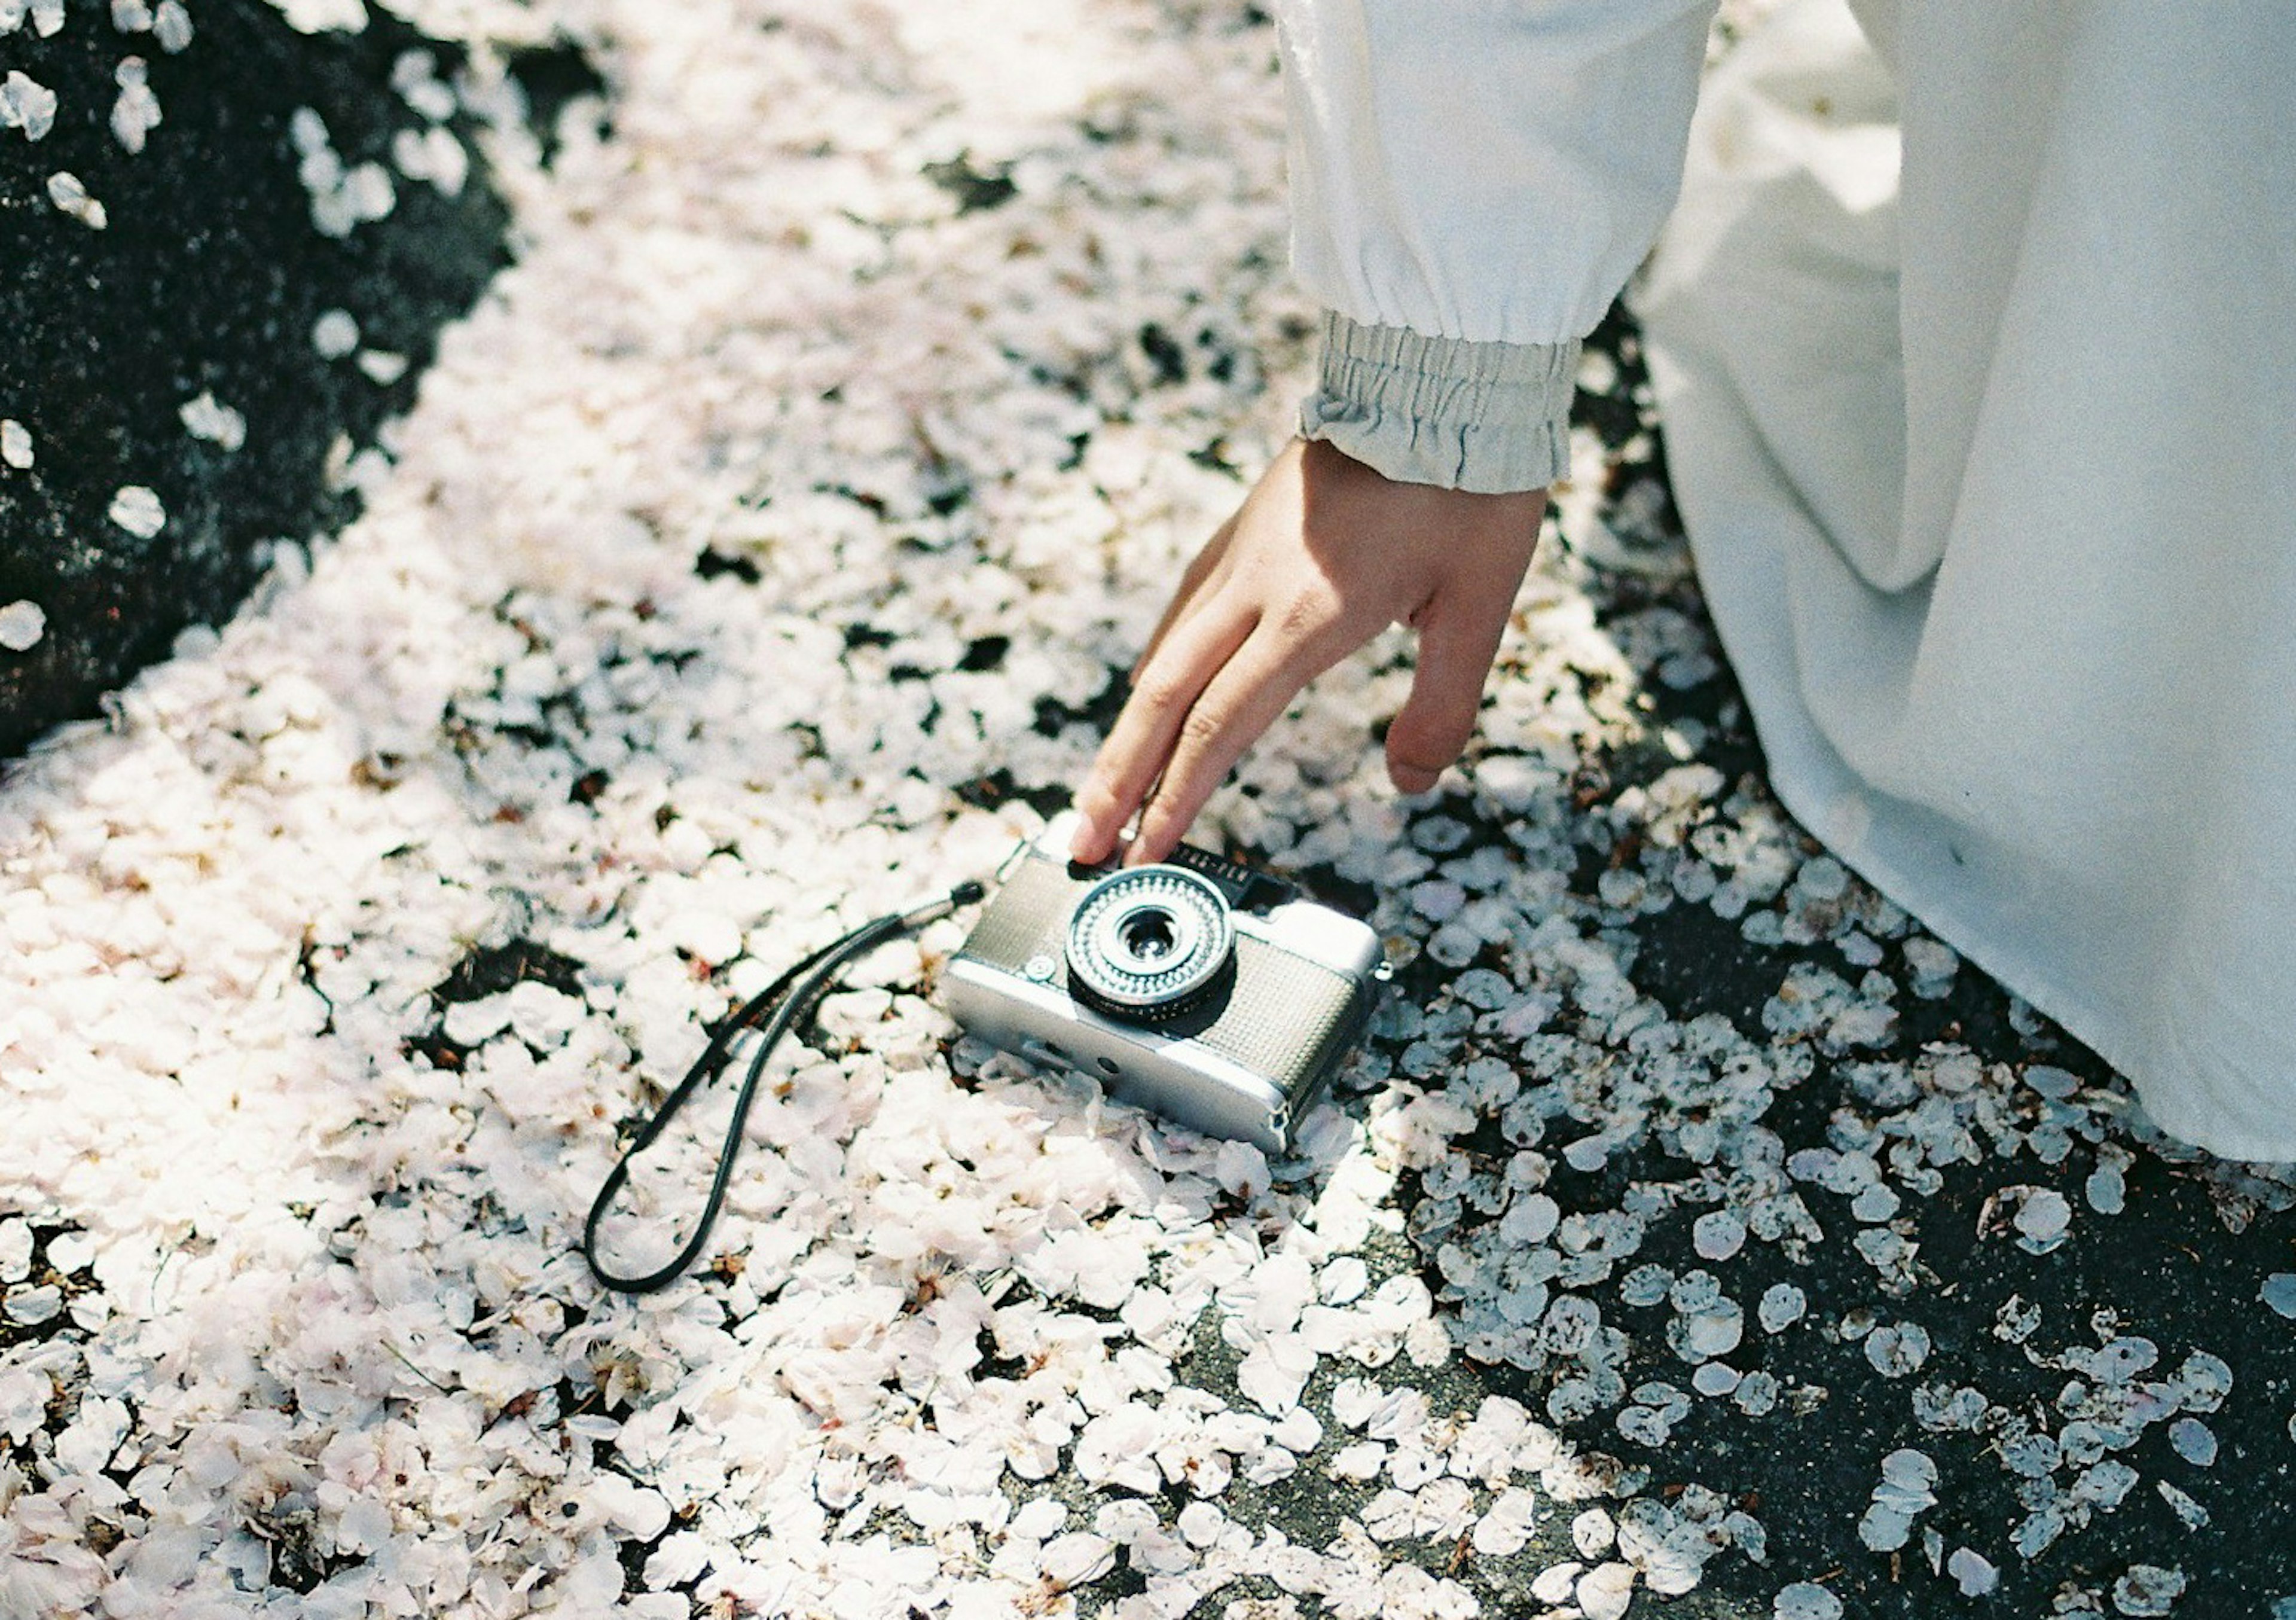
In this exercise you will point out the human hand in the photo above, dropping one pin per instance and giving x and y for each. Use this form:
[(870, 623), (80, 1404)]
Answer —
[(1323, 555)]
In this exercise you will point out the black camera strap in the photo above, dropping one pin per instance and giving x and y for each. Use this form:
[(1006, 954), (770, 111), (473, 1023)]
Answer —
[(781, 1006)]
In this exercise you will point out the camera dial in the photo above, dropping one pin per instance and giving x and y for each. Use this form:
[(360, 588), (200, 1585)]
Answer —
[(1149, 939)]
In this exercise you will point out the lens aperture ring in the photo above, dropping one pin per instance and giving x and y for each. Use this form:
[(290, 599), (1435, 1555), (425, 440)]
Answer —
[(1149, 939)]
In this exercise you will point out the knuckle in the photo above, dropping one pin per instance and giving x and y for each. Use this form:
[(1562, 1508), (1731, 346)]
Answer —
[(1159, 695), (1203, 728), (1307, 612)]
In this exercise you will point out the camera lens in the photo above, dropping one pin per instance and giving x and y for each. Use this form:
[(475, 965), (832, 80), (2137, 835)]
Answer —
[(1149, 939), (1148, 934)]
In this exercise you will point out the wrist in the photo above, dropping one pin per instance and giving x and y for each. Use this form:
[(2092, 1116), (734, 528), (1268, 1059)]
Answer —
[(1327, 466)]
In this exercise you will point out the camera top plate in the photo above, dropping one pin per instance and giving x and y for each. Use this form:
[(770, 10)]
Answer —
[(1244, 888)]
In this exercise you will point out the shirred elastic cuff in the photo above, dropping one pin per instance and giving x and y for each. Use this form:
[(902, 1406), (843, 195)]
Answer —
[(1494, 418)]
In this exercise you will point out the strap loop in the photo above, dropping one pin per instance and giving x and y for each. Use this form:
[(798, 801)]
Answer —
[(790, 999)]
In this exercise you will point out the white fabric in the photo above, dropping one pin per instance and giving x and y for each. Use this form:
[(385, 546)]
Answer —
[(1490, 417), (1990, 489), (1487, 169)]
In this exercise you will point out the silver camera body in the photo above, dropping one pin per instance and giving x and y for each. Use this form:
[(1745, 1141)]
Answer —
[(1200, 990)]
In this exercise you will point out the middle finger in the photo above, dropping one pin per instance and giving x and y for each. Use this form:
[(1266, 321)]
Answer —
[(1194, 650)]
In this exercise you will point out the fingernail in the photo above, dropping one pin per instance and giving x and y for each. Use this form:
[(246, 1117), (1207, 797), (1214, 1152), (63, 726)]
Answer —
[(1414, 781)]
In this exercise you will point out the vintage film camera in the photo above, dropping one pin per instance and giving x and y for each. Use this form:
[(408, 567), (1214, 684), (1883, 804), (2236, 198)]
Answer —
[(1199, 989)]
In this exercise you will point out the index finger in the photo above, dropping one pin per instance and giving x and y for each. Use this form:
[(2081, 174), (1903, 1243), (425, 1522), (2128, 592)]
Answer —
[(1193, 580), (1130, 761), (1245, 698)]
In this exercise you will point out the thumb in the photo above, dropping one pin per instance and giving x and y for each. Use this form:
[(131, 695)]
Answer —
[(1456, 649)]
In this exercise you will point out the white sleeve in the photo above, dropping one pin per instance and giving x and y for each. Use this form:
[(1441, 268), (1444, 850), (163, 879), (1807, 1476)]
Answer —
[(1490, 417), (1485, 170), (1472, 181)]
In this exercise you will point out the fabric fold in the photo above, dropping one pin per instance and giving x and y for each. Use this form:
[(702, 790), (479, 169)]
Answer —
[(1487, 418), (2023, 672)]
